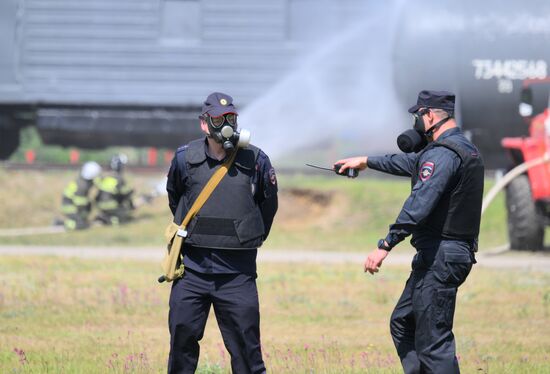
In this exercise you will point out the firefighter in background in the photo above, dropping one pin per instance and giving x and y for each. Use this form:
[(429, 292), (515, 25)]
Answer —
[(114, 197), (76, 204)]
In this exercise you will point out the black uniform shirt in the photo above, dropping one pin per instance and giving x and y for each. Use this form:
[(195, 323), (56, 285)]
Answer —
[(438, 172), (222, 261)]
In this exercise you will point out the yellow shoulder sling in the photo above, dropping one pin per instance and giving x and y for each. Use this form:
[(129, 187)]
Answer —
[(175, 235)]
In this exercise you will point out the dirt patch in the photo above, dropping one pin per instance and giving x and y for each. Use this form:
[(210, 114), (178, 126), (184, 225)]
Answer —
[(301, 208)]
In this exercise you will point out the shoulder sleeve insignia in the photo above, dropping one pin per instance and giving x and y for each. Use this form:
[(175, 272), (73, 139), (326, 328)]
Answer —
[(272, 176), (426, 171)]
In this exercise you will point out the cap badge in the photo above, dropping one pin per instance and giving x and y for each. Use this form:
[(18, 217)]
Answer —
[(223, 102)]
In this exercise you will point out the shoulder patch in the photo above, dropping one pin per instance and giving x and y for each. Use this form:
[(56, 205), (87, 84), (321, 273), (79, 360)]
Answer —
[(426, 170), (182, 148), (272, 176)]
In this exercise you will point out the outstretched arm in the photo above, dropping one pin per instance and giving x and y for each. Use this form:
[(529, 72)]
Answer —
[(401, 164), (395, 164), (438, 172)]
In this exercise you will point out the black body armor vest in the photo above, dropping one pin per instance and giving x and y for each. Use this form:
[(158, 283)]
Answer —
[(230, 218), (458, 213)]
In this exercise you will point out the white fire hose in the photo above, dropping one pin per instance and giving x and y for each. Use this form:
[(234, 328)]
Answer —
[(508, 177)]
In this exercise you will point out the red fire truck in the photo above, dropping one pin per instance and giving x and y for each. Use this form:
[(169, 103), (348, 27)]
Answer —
[(528, 195)]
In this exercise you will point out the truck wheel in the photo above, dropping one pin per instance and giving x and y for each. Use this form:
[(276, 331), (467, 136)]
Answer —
[(9, 141), (525, 226)]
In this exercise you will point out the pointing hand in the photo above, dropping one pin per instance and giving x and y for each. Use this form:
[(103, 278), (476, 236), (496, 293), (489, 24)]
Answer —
[(358, 163)]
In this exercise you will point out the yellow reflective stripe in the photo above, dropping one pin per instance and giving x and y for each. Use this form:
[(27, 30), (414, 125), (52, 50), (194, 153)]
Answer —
[(110, 204), (108, 184), (70, 190), (70, 224), (80, 200), (69, 209)]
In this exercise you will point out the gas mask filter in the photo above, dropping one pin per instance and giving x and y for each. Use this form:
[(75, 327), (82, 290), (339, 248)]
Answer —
[(411, 141), (416, 139), (223, 130)]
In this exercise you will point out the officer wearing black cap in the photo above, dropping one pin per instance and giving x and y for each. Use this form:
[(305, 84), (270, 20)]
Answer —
[(221, 247), (442, 214)]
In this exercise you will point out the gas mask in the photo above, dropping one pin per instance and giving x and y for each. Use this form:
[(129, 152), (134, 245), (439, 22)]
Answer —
[(416, 139), (223, 130)]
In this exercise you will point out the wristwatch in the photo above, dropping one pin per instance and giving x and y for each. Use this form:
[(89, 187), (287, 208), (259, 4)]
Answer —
[(382, 245)]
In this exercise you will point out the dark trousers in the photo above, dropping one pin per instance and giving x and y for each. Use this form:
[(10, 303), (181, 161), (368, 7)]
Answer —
[(422, 321), (235, 301)]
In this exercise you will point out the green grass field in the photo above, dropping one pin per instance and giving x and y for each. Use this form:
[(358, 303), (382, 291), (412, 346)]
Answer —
[(82, 316), (62, 315), (333, 213)]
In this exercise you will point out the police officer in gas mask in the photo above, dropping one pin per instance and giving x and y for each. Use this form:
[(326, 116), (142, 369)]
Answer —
[(219, 253), (442, 214)]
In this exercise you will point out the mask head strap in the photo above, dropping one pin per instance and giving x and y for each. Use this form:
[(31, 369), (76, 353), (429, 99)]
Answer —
[(434, 128)]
